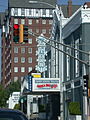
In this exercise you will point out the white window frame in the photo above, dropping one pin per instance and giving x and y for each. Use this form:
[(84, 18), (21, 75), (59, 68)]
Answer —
[(15, 21), (44, 21), (30, 40), (22, 69), (22, 50), (29, 50), (22, 59), (29, 69), (37, 21), (37, 30), (50, 22), (29, 30), (15, 49), (30, 21), (15, 59), (29, 59), (23, 21), (44, 31), (15, 69)]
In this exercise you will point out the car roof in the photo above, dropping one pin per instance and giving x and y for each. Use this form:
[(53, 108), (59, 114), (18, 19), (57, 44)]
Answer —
[(11, 110)]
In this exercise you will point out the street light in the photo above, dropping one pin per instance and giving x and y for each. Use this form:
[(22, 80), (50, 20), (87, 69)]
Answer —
[(42, 3)]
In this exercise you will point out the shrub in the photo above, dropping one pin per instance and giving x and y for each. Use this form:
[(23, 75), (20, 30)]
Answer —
[(74, 108), (42, 108), (17, 106)]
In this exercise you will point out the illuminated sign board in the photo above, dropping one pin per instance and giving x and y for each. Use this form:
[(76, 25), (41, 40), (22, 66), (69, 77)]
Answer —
[(46, 85)]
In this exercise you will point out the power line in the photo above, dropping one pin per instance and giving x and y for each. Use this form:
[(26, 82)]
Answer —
[(61, 43), (34, 34)]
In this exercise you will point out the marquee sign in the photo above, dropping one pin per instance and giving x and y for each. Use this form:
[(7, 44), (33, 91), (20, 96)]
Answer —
[(45, 85)]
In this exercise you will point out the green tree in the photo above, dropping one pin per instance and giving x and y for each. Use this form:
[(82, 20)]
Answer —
[(5, 92), (14, 86), (3, 96)]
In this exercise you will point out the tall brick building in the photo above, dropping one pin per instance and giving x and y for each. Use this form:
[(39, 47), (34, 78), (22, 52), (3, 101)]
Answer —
[(19, 58)]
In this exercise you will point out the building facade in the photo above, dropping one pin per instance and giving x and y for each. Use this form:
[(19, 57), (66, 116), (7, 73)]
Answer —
[(74, 58), (20, 58)]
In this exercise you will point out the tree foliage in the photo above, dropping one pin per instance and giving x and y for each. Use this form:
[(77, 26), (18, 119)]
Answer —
[(5, 92), (2, 96), (14, 86)]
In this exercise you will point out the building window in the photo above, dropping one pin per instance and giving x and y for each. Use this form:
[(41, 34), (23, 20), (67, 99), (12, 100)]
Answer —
[(22, 11), (22, 69), (37, 11), (50, 21), (76, 56), (29, 30), (30, 60), (15, 49), (37, 30), (15, 79), (51, 12), (37, 21), (22, 21), (30, 21), (29, 50), (22, 59), (15, 11), (29, 69), (29, 11), (44, 31), (22, 50), (68, 50), (43, 21), (15, 59), (49, 31), (30, 40), (15, 69), (15, 21), (44, 12)]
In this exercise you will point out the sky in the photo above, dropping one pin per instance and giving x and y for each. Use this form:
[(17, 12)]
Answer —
[(3, 3), (75, 2)]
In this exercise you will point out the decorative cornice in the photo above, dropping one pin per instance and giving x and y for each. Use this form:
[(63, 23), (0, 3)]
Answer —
[(82, 15)]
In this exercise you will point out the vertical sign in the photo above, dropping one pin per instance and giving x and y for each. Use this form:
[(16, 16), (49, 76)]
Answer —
[(41, 53), (30, 82)]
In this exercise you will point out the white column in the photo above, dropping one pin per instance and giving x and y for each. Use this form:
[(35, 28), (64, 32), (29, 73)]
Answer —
[(28, 106)]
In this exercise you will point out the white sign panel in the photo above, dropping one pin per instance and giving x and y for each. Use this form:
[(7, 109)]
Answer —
[(45, 84)]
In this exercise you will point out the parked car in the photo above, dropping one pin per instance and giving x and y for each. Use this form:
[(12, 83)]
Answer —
[(10, 114)]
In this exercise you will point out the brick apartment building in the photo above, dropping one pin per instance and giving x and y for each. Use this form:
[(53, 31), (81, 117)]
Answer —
[(19, 58)]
